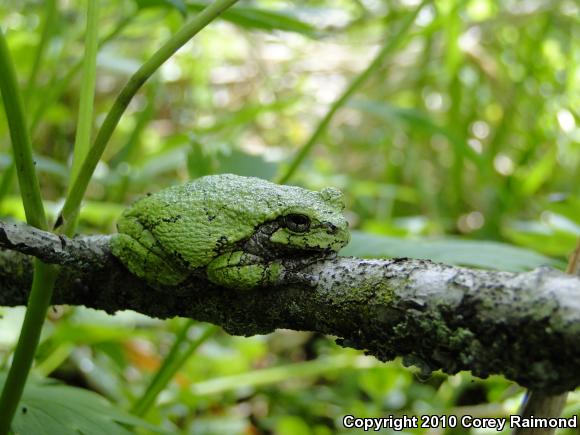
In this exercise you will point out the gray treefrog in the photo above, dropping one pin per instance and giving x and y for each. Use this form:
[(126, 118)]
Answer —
[(241, 232)]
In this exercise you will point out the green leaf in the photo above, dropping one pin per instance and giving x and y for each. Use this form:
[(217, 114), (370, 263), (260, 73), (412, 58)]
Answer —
[(45, 165), (241, 163), (529, 180), (200, 162), (177, 4), (474, 253), (49, 407), (255, 18), (553, 235), (568, 206), (165, 161)]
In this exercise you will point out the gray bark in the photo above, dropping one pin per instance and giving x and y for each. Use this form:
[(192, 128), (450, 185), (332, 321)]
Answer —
[(525, 326), (537, 403)]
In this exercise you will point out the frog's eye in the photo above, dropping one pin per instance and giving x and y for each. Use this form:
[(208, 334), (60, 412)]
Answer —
[(297, 223)]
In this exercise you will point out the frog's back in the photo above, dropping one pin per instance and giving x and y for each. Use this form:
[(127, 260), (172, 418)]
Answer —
[(201, 219)]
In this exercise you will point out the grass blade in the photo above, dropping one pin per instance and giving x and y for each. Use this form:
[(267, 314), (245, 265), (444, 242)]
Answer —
[(87, 97), (29, 187), (171, 365)]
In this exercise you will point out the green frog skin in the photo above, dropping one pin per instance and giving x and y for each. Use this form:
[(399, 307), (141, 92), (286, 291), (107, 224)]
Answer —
[(241, 232)]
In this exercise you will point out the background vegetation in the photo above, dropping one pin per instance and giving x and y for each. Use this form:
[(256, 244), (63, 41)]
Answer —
[(460, 144)]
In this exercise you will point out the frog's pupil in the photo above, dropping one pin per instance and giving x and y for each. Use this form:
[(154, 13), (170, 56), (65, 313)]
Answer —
[(297, 222)]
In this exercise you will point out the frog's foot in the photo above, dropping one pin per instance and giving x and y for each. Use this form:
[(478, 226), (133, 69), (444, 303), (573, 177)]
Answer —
[(244, 271)]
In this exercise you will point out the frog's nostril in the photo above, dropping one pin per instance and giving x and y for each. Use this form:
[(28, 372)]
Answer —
[(332, 229)]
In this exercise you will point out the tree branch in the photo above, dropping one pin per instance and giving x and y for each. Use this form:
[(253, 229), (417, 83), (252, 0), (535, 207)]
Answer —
[(525, 326), (537, 403)]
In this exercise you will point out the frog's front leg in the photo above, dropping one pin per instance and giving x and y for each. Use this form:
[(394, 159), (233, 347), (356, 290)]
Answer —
[(244, 271)]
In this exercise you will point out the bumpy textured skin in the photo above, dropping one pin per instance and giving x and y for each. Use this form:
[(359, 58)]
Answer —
[(206, 223)]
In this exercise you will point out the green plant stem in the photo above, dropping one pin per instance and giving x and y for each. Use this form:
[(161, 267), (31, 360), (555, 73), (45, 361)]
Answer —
[(128, 150), (171, 365), (65, 221), (385, 51), (44, 275), (29, 187), (87, 97), (38, 302)]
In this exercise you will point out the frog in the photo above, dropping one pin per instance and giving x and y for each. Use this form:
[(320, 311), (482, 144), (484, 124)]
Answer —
[(235, 231)]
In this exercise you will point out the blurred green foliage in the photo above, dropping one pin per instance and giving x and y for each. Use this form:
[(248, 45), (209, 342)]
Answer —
[(468, 130)]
